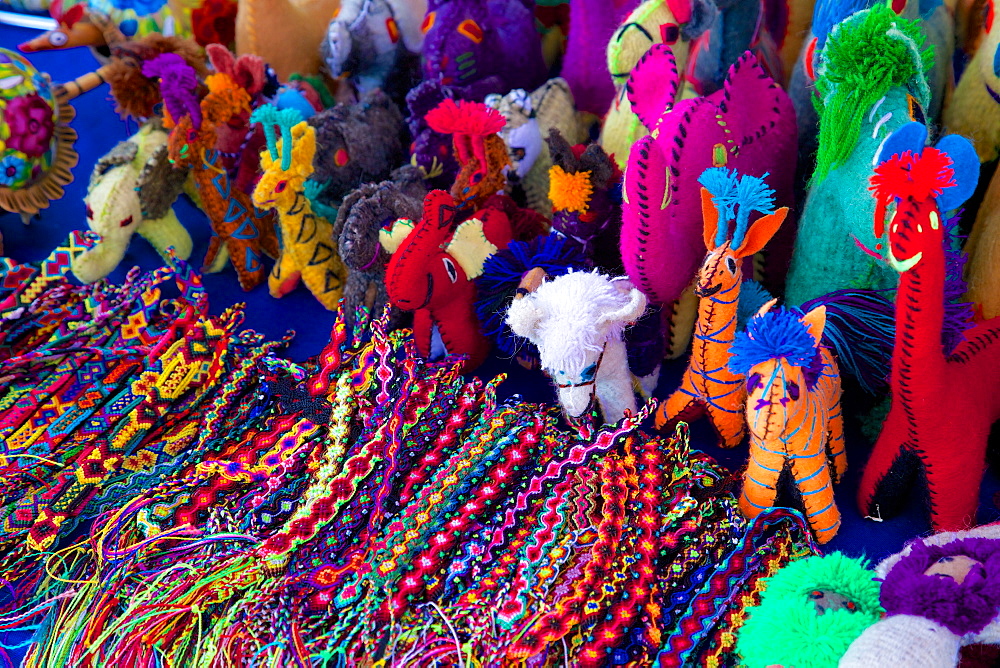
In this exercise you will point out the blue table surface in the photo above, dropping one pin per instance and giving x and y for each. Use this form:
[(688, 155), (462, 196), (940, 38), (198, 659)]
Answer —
[(100, 128)]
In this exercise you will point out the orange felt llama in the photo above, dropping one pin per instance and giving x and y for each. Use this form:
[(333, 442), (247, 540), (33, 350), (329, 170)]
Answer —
[(708, 386), (793, 409)]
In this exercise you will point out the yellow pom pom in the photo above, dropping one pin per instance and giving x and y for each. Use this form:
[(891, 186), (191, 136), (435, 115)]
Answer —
[(569, 192)]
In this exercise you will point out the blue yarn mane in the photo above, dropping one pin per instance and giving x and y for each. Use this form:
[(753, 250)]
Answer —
[(736, 197), (753, 296), (773, 335), (861, 330), (502, 274)]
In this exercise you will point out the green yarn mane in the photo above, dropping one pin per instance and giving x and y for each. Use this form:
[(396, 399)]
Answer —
[(866, 56)]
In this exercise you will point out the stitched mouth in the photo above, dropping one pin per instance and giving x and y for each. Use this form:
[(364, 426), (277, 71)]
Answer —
[(427, 300), (699, 291)]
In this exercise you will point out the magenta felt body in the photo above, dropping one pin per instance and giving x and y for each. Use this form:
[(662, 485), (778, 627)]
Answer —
[(750, 123), (585, 64)]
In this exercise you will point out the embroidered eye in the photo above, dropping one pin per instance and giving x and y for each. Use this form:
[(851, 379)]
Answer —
[(476, 177), (471, 29), (392, 29), (851, 605), (731, 265), (428, 22), (946, 560), (57, 38), (280, 186), (670, 33), (793, 390), (753, 382), (341, 158), (125, 222), (815, 593), (192, 135), (449, 266), (90, 212), (587, 374), (518, 153)]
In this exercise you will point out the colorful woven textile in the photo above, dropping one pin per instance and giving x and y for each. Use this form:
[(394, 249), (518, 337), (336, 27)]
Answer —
[(174, 494)]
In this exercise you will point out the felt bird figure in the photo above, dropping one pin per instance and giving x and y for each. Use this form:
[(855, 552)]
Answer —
[(857, 111), (940, 593), (749, 126), (308, 246), (132, 190), (434, 262), (242, 232), (577, 321), (708, 387), (938, 393), (793, 413), (74, 29)]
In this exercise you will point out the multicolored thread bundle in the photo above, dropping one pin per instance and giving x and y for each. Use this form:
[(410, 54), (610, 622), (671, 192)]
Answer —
[(194, 500)]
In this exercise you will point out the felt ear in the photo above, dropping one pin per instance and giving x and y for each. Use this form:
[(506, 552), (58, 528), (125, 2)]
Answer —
[(702, 16), (524, 316), (710, 216), (910, 137), (761, 232), (633, 308), (965, 162), (470, 247), (392, 238), (768, 305), (73, 15), (159, 184), (815, 320), (652, 86), (122, 154)]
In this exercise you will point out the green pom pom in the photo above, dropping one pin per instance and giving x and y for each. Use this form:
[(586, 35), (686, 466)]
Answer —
[(785, 629), (866, 55)]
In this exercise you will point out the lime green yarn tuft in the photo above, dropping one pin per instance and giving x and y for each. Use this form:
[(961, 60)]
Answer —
[(866, 55)]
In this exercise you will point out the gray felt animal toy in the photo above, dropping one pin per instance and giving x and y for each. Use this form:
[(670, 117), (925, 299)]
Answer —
[(363, 213), (357, 143)]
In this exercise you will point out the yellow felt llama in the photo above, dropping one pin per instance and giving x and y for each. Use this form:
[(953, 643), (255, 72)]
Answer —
[(308, 245)]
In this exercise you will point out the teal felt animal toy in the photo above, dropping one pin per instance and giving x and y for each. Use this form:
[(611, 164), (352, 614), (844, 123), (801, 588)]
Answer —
[(872, 80)]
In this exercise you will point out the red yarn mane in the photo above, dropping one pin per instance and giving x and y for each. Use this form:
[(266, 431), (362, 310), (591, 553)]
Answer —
[(465, 118), (913, 176)]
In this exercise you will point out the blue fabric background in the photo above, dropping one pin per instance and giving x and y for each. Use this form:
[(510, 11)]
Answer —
[(100, 128)]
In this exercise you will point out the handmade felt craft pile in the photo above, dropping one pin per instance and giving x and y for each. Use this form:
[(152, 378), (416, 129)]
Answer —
[(776, 229)]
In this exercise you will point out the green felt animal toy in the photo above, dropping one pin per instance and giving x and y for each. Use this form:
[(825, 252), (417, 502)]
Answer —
[(872, 80)]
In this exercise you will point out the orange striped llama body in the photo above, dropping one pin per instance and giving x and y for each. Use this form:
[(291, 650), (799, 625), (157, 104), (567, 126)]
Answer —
[(708, 387), (794, 417)]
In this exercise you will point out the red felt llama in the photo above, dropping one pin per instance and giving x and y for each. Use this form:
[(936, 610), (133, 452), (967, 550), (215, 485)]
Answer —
[(943, 404)]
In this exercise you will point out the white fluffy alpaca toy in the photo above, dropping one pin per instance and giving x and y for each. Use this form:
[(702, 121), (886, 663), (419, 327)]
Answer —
[(576, 321)]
